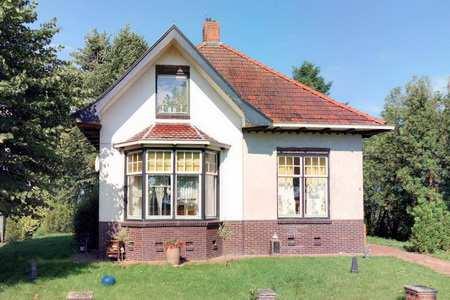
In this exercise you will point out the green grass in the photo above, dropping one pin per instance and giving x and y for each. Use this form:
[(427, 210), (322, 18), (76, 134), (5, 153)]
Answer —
[(290, 277), (387, 242), (404, 246)]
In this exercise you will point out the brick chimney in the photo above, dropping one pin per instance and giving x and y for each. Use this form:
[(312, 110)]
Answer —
[(211, 31)]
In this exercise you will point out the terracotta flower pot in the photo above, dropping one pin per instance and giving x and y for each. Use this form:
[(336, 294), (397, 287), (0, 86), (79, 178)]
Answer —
[(173, 255)]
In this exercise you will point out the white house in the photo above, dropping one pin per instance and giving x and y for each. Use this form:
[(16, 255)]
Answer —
[(192, 137)]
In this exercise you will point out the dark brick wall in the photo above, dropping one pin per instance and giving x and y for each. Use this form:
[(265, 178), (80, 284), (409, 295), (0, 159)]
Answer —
[(247, 238)]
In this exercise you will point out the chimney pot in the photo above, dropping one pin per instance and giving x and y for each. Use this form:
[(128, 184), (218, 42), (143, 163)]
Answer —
[(211, 31)]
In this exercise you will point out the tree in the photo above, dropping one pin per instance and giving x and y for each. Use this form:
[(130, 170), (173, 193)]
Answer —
[(34, 106), (405, 167), (102, 62), (309, 74)]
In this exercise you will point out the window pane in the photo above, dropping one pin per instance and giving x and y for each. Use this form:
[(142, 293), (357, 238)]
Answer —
[(134, 162), (159, 195), (188, 162), (210, 195), (134, 197), (187, 195), (211, 162), (315, 166), (316, 197), (289, 196), (172, 94)]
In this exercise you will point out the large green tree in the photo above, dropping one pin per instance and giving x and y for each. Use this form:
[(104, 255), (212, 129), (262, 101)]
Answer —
[(406, 166), (34, 106), (309, 74), (102, 62)]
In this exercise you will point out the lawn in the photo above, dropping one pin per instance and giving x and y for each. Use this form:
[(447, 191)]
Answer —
[(291, 277), (403, 246)]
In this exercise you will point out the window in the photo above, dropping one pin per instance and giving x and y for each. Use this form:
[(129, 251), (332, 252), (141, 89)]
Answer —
[(172, 91), (302, 184), (134, 185), (188, 181), (173, 182), (211, 175), (159, 184)]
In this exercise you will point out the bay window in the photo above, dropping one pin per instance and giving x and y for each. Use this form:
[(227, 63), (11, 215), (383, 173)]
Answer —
[(302, 184), (176, 184)]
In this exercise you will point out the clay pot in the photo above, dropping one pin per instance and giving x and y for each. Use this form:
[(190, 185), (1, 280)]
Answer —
[(173, 256)]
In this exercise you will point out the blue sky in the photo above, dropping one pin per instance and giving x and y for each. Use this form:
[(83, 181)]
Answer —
[(365, 47)]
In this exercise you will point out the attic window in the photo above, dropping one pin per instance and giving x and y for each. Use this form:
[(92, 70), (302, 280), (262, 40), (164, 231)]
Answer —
[(172, 92)]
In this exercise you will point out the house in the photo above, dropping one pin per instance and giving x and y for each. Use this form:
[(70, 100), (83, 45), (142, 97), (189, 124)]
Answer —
[(192, 137)]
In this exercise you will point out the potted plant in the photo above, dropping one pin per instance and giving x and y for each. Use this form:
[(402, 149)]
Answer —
[(121, 237), (173, 251)]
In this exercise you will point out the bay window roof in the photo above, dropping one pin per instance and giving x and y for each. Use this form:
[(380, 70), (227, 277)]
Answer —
[(172, 134)]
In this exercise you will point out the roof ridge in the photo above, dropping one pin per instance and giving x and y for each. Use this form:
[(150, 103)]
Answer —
[(199, 132), (299, 84), (148, 131)]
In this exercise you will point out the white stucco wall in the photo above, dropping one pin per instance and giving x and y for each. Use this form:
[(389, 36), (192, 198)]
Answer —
[(134, 109), (260, 173)]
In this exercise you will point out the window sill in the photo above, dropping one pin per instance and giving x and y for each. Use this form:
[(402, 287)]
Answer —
[(171, 223), (173, 116), (304, 221)]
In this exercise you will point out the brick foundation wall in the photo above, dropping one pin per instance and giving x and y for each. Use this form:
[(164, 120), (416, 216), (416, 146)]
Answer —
[(247, 238)]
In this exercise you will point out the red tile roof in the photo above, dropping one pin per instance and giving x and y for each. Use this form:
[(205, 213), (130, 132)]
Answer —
[(171, 132), (279, 97)]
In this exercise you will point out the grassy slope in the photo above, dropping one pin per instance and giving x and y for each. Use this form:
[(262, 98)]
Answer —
[(403, 246), (292, 278)]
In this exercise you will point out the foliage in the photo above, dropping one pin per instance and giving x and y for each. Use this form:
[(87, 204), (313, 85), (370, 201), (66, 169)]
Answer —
[(321, 277), (86, 218), (21, 228), (309, 74), (172, 244), (408, 165), (102, 62), (431, 230), (224, 232), (122, 235), (58, 218), (35, 103)]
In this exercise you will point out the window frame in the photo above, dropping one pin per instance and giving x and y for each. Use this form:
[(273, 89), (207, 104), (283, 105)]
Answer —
[(302, 153), (141, 173), (149, 173), (173, 216), (216, 176), (172, 70), (199, 174)]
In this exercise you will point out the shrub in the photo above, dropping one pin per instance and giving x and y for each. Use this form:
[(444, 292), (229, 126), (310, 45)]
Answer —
[(59, 218), (86, 219), (431, 230), (20, 228)]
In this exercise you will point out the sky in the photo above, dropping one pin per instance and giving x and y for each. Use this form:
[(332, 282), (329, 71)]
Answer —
[(366, 47)]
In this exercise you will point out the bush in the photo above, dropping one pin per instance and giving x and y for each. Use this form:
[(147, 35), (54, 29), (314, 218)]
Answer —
[(86, 219), (20, 228), (431, 230), (59, 218)]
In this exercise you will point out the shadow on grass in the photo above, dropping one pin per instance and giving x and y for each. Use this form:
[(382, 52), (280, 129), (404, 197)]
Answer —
[(53, 255)]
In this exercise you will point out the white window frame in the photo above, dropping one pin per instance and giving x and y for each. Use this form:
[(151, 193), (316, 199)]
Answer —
[(309, 155), (199, 174), (300, 181), (216, 177), (148, 173), (127, 175)]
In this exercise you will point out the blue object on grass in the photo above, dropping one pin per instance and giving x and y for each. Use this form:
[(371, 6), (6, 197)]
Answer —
[(108, 280)]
